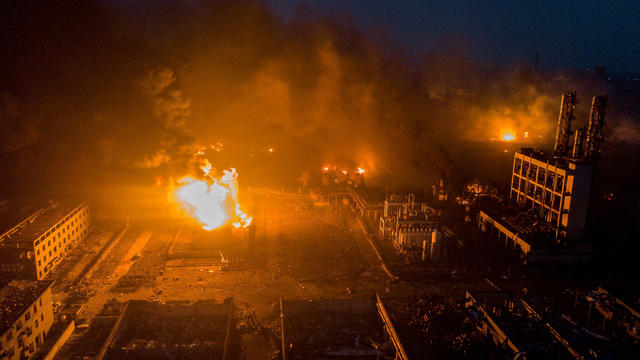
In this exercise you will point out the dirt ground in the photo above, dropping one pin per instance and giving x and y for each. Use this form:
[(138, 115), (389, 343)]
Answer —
[(298, 252)]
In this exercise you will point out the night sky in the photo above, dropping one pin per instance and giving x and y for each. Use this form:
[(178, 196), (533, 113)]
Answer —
[(568, 34)]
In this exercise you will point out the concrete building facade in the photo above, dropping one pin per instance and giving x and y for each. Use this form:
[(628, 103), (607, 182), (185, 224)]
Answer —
[(26, 316), (31, 249), (557, 192)]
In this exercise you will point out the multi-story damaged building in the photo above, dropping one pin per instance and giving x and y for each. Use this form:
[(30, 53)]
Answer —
[(31, 249), (555, 191), (551, 190), (26, 316)]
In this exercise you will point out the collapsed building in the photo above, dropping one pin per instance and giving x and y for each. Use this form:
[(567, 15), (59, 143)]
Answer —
[(549, 193), (596, 323), (515, 329), (32, 248), (437, 326), (338, 329), (147, 330)]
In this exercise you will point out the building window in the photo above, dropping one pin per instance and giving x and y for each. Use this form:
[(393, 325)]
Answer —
[(37, 323), (18, 325), (27, 316), (532, 172), (559, 183), (42, 315)]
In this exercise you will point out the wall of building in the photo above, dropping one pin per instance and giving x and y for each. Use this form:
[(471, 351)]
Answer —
[(509, 239), (51, 247), (559, 195), (28, 332), (34, 258)]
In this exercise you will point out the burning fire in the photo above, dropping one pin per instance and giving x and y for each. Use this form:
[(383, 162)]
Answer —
[(213, 201), (360, 171), (508, 137)]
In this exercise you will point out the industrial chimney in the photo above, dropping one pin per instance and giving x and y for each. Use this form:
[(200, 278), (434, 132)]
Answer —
[(596, 124), (563, 133)]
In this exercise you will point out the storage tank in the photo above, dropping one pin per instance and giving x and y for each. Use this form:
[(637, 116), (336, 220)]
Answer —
[(436, 245)]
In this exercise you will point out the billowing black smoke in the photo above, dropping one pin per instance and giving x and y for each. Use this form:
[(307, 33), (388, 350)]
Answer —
[(120, 85)]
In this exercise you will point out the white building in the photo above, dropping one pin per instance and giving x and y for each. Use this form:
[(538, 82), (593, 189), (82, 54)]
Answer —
[(31, 249), (26, 316)]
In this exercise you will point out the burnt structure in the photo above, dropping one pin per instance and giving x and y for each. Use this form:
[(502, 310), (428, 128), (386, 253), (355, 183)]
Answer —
[(410, 227), (549, 192), (147, 330), (563, 132), (586, 142), (595, 323), (515, 328), (595, 127), (366, 331)]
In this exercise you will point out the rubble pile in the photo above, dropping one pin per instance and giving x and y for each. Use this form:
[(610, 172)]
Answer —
[(151, 336), (438, 326), (336, 333)]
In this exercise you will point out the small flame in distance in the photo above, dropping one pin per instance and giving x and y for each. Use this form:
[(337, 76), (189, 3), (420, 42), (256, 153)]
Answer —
[(213, 201), (508, 137)]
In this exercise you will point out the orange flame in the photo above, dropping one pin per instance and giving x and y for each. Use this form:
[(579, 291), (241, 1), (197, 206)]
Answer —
[(508, 137), (213, 201)]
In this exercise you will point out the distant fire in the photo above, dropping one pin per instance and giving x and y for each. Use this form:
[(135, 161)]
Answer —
[(213, 201), (508, 137), (360, 171)]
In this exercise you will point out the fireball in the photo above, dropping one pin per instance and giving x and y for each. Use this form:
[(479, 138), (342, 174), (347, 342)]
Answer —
[(212, 201)]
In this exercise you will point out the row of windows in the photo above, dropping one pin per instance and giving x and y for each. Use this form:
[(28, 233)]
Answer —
[(27, 316), (61, 236), (12, 267), (82, 215), (546, 212), (546, 197), (10, 350), (63, 247), (540, 175)]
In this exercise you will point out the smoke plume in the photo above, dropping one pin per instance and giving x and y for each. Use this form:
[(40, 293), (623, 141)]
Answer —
[(140, 85)]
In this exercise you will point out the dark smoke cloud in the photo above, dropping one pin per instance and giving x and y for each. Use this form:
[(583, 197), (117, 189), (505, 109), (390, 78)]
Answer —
[(138, 84)]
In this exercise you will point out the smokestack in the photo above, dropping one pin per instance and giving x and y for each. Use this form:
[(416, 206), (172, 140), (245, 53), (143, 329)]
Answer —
[(578, 142), (567, 107), (596, 124)]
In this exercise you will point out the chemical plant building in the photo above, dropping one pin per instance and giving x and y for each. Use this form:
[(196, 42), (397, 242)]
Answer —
[(26, 316), (31, 249), (550, 191), (409, 227)]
